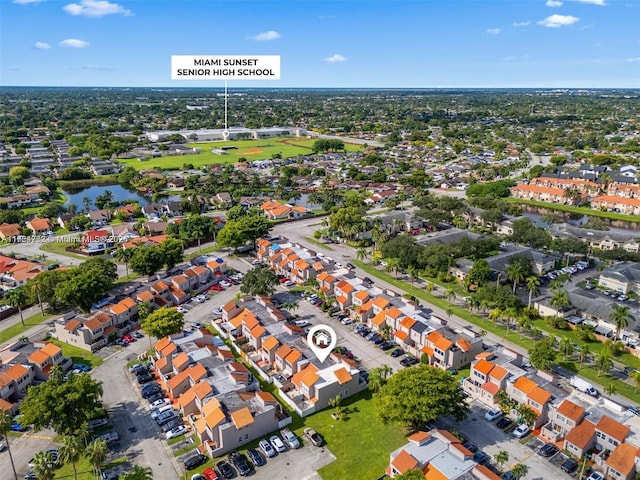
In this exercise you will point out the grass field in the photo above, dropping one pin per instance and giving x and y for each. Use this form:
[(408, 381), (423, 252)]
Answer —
[(250, 149), (78, 355), (18, 328)]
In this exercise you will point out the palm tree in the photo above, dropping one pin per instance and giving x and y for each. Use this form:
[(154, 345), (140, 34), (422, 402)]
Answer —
[(495, 314), (18, 298), (620, 316), (610, 389), (124, 255), (532, 284), (375, 380), (501, 457), (560, 299), (385, 371), (6, 419), (515, 272), (96, 453), (70, 451), (43, 466), (138, 473), (86, 204), (566, 346), (449, 312), (603, 362), (511, 313), (583, 353), (429, 287), (393, 264), (451, 294), (362, 254), (519, 470)]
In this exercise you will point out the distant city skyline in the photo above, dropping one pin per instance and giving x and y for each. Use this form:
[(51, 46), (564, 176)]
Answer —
[(345, 44)]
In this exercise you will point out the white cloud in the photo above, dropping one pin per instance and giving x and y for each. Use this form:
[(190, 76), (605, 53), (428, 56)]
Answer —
[(553, 3), (636, 59), (556, 21), (25, 2), (73, 43), (104, 68), (521, 24), (42, 45), (600, 3), (95, 8), (493, 31), (266, 36), (335, 58)]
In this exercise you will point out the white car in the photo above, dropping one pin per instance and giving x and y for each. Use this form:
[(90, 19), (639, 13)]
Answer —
[(161, 402), (181, 310), (492, 414), (276, 442), (266, 447), (521, 431), (346, 321), (225, 284), (595, 476), (176, 432), (289, 283), (217, 311)]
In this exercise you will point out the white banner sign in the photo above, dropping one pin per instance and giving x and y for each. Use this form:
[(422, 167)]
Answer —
[(225, 67)]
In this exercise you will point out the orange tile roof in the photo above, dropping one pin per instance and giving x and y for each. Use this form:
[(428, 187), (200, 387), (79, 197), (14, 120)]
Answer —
[(4, 405), (524, 384), (498, 372), (582, 434), (570, 410), (283, 351), (362, 295), (345, 286), (266, 397), (16, 372), (395, 313), (381, 302), (402, 335), (622, 459), (538, 189), (539, 395), (93, 323), (342, 375), (635, 202), (241, 418), (180, 360), (427, 350), (4, 380), (257, 332), (39, 223), (491, 388), (211, 406), (463, 344), (367, 306), (483, 366), (10, 229), (215, 418), (163, 342), (38, 357), (419, 437), (322, 276), (486, 473), (145, 296), (380, 318), (51, 349), (199, 390), (269, 343), (342, 299), (612, 428), (443, 344), (408, 322), (230, 305), (298, 377), (432, 473), (293, 356), (162, 362), (404, 462), (310, 378)]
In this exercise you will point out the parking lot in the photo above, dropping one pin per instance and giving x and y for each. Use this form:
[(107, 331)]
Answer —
[(491, 440)]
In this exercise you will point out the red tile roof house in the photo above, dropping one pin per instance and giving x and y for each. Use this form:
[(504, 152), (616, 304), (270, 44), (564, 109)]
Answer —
[(562, 419), (44, 359), (39, 225), (526, 391), (9, 230)]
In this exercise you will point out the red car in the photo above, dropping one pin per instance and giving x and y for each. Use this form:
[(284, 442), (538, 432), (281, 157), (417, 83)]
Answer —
[(210, 474), (128, 338), (215, 288), (284, 279)]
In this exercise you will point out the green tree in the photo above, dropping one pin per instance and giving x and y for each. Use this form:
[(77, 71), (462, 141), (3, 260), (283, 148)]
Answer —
[(414, 396), (235, 213), (516, 273), (96, 452), (560, 299), (124, 255), (362, 254), (532, 284), (527, 415), (566, 346), (413, 474), (501, 457), (603, 362), (147, 260), (635, 376), (18, 298), (543, 353), (87, 283), (70, 451), (43, 464), (259, 281), (172, 252), (519, 470), (620, 316), (138, 473), (63, 405), (163, 322), (480, 273), (6, 419), (583, 353)]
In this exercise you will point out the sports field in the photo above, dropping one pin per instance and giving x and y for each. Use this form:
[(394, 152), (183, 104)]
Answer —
[(262, 149)]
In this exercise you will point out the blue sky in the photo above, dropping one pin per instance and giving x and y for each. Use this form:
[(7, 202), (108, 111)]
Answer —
[(365, 43)]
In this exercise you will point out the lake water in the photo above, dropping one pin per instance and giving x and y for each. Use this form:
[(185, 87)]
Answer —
[(120, 194)]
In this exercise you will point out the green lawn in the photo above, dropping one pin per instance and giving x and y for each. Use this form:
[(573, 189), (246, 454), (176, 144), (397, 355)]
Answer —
[(78, 355), (319, 244), (249, 149), (578, 210), (17, 329), (59, 248), (516, 337), (84, 469)]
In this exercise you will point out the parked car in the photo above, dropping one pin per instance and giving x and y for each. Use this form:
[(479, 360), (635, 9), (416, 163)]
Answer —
[(492, 414), (138, 366), (397, 353), (216, 288), (171, 424), (159, 395), (289, 438), (16, 427), (137, 334), (145, 378), (596, 476), (472, 447), (481, 458), (176, 432), (210, 474), (225, 469), (504, 422), (256, 457), (195, 461), (3, 447), (548, 450), (521, 431), (408, 361), (386, 346), (276, 442), (569, 465), (313, 437), (98, 422), (81, 366), (240, 462), (161, 402), (266, 447)]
